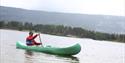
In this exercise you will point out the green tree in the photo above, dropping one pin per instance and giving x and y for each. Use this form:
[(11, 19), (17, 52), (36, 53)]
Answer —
[(2, 24), (28, 26)]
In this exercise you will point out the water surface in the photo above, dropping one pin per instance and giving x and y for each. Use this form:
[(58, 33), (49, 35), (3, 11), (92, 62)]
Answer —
[(93, 51)]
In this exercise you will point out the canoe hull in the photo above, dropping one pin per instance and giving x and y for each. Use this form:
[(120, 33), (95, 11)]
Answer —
[(72, 50)]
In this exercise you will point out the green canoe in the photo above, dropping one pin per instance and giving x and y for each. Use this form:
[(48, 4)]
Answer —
[(72, 50)]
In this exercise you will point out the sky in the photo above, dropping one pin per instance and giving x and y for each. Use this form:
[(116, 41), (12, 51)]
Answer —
[(98, 7)]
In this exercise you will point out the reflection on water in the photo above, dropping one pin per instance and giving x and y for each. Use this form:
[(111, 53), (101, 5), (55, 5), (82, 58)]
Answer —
[(28, 56), (70, 59), (28, 52), (35, 57)]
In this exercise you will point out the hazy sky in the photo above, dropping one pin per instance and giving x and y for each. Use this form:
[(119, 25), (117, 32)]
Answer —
[(104, 7)]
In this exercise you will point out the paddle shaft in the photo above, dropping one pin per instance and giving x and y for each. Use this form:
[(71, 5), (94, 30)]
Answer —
[(40, 39)]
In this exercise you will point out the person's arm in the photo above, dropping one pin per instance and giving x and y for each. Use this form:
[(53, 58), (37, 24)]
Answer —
[(32, 37)]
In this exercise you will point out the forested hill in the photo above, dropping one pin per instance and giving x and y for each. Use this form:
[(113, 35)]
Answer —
[(61, 31), (103, 23)]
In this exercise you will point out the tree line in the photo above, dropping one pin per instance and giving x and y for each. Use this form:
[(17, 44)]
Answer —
[(61, 30)]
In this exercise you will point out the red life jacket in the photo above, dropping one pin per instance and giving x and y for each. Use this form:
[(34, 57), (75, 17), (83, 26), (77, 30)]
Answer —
[(30, 40)]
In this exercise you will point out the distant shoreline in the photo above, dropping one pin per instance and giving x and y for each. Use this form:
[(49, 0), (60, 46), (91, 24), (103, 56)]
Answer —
[(61, 30), (61, 36)]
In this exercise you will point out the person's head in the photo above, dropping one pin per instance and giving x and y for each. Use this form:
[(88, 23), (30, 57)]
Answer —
[(30, 33)]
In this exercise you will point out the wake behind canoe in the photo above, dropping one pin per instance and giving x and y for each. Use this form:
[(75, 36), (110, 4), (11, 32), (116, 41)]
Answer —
[(72, 50)]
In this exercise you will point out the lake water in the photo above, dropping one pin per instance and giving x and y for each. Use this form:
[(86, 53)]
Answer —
[(92, 51)]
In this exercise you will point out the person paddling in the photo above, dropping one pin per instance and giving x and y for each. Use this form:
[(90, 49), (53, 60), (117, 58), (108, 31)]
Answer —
[(30, 40)]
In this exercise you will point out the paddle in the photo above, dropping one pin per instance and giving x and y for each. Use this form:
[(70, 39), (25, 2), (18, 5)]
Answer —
[(40, 39)]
